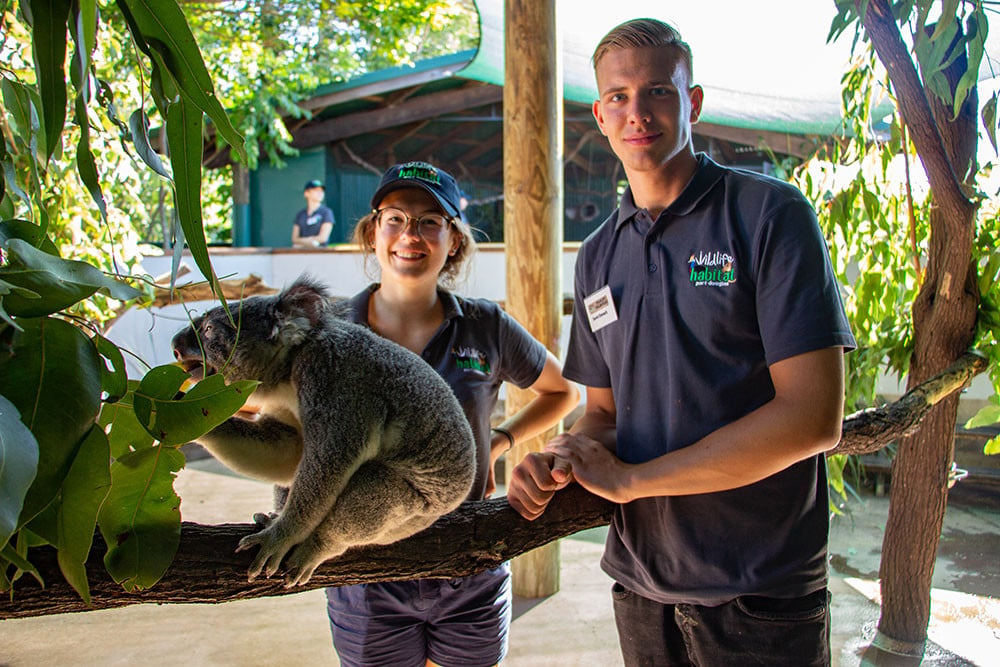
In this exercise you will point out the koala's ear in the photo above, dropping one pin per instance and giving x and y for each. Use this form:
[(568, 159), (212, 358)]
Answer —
[(303, 300)]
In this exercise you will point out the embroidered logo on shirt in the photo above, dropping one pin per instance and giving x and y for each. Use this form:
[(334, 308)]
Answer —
[(470, 358), (712, 269)]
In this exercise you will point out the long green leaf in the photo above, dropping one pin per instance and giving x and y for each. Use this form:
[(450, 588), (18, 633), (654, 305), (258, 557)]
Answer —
[(51, 374), (83, 492), (18, 465), (114, 378), (976, 31), (85, 164), (138, 124), (989, 115), (22, 117), (84, 31), (48, 38), (166, 31), (141, 519), (184, 137)]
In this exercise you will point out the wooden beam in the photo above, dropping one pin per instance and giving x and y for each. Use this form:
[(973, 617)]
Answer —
[(379, 88), (413, 110), (533, 211), (780, 142)]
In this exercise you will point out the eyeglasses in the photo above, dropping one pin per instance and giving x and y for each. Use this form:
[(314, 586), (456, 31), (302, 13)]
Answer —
[(429, 225)]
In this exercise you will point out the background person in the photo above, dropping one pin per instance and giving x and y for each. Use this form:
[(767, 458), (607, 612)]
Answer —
[(420, 243), (313, 224), (709, 332)]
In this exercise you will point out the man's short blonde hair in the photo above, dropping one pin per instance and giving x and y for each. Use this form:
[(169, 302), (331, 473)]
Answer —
[(643, 33)]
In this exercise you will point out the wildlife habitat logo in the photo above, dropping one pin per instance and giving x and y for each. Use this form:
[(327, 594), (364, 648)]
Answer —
[(712, 269), (471, 359)]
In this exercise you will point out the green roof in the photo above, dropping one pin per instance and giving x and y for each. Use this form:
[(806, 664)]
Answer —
[(764, 64)]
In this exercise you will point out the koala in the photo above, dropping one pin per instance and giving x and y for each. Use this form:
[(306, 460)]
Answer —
[(370, 441)]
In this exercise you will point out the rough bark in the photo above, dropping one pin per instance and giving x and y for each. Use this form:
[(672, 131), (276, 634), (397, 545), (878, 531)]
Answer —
[(475, 537), (868, 431), (944, 317), (206, 568)]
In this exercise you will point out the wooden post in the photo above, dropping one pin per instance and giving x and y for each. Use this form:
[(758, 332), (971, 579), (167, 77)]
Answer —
[(533, 213)]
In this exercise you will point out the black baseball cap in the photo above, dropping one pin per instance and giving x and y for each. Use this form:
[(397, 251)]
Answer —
[(425, 176), (314, 183)]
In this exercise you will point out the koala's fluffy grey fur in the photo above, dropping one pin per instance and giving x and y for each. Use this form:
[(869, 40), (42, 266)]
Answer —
[(370, 440)]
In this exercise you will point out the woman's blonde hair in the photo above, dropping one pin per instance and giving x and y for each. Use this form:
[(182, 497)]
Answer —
[(456, 268)]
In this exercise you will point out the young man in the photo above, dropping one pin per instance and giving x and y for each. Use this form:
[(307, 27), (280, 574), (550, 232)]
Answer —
[(314, 223), (709, 333)]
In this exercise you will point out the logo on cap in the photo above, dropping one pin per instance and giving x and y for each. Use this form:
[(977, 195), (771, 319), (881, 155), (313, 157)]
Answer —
[(421, 171)]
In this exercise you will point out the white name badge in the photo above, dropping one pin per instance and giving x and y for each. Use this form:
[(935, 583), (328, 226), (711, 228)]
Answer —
[(600, 309)]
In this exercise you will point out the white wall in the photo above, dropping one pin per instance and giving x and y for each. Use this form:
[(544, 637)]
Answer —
[(147, 332)]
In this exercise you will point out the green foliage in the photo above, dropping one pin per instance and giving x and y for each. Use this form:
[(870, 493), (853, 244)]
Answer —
[(877, 216), (76, 448), (267, 56)]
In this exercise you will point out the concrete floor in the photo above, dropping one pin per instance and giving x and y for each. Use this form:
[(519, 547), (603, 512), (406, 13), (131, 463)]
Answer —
[(573, 627)]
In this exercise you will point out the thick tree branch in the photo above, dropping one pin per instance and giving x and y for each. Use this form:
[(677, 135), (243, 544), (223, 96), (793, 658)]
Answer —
[(870, 430), (475, 537), (913, 105)]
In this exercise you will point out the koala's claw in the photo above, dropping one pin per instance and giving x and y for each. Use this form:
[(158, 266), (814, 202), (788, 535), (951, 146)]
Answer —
[(264, 519), (268, 559)]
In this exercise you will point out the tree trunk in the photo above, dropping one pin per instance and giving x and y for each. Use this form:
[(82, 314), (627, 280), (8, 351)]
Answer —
[(475, 537), (944, 320)]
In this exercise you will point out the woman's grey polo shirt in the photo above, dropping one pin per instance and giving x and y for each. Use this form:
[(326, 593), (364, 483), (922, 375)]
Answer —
[(734, 276), (477, 348)]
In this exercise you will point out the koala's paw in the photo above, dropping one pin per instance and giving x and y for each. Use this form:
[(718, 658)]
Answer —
[(263, 520), (272, 549), (304, 560)]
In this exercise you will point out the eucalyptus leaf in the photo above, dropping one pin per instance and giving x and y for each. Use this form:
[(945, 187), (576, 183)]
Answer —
[(29, 232), (138, 124), (176, 422), (114, 379), (18, 465), (11, 556), (140, 519), (184, 129), (60, 282), (87, 485), (987, 416), (48, 38), (86, 167), (125, 433), (989, 115), (207, 405), (10, 178), (51, 375), (166, 31), (20, 113)]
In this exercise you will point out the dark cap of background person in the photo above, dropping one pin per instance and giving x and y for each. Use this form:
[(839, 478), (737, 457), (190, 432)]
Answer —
[(315, 183)]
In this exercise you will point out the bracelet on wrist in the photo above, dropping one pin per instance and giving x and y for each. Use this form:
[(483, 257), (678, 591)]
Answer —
[(505, 432)]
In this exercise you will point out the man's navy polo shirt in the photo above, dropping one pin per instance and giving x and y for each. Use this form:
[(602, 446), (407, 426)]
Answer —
[(732, 277)]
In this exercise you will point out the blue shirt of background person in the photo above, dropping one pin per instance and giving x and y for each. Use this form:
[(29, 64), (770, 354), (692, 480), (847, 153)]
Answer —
[(313, 224)]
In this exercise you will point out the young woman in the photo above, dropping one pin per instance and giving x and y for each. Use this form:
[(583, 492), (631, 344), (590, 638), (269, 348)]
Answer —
[(420, 242)]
